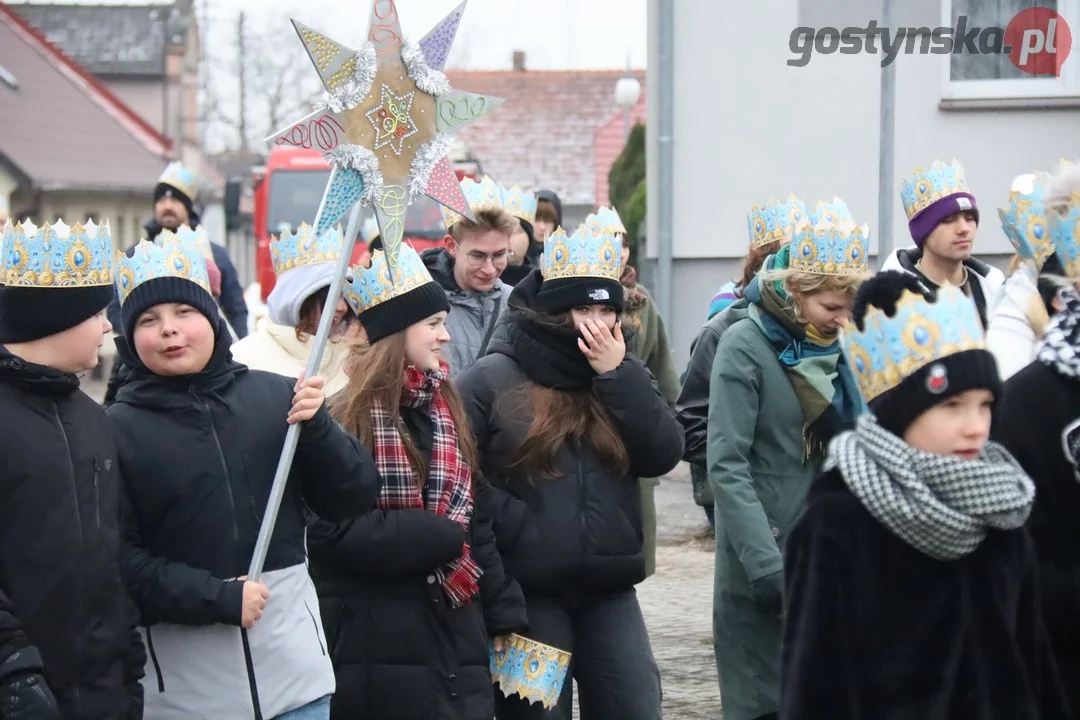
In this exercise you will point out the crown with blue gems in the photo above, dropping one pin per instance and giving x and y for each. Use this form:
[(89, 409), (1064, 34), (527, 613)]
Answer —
[(889, 349), (483, 194), (583, 254), (605, 219), (1065, 235), (533, 671), (300, 248), (169, 255), (177, 176), (776, 221), (519, 203), (831, 212), (367, 287), (56, 256), (926, 187), (1025, 222), (834, 245)]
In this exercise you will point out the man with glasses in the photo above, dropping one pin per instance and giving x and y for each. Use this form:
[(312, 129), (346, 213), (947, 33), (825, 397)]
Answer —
[(468, 266)]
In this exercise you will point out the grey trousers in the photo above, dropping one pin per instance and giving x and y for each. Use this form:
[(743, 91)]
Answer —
[(612, 659)]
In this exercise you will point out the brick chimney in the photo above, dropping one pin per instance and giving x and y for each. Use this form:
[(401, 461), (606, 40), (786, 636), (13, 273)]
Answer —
[(519, 61)]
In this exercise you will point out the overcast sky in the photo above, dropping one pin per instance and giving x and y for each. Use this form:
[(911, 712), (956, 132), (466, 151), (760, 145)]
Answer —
[(555, 34)]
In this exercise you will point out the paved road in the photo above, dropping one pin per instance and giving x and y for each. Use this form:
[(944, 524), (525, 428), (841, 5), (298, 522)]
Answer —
[(676, 601)]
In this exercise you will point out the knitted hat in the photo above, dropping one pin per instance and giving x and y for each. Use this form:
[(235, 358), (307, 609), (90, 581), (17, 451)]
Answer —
[(581, 269), (54, 276), (930, 196), (911, 349), (169, 270), (388, 305), (178, 182)]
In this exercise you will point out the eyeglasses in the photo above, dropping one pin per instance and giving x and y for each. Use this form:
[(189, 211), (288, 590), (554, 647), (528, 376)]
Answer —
[(478, 259)]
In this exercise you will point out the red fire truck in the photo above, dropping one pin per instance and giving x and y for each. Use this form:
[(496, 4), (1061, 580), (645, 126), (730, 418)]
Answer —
[(288, 190)]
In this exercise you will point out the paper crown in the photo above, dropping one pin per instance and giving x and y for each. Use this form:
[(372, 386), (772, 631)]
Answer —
[(56, 256), (531, 670), (603, 220), (583, 254), (177, 176), (169, 255), (889, 349), (834, 245), (300, 248), (1024, 220), (367, 287), (776, 221), (831, 212), (1065, 235), (486, 194), (926, 187)]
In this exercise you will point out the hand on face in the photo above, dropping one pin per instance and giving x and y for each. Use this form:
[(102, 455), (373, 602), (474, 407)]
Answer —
[(603, 348), (308, 399)]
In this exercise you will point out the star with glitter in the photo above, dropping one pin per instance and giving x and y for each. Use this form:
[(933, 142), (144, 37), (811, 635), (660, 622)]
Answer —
[(386, 121)]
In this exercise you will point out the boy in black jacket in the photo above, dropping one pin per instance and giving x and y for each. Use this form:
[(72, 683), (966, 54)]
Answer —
[(911, 583), (68, 646), (199, 437)]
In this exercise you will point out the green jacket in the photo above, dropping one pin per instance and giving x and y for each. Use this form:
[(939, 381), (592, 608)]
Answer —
[(755, 463), (650, 343)]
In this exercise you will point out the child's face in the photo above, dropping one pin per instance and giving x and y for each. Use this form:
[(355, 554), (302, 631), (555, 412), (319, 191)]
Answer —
[(174, 339), (424, 342), (78, 348), (958, 426)]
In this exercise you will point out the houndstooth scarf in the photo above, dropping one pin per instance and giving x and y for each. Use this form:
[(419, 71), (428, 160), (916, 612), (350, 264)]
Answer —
[(449, 483), (1060, 347), (942, 506)]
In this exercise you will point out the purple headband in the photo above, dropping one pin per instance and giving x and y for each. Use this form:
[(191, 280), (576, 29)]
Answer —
[(924, 223)]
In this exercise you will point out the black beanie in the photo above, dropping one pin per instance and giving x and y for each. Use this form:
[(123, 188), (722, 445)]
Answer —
[(398, 313), (562, 294), (933, 383), (168, 289), (32, 313), (162, 189)]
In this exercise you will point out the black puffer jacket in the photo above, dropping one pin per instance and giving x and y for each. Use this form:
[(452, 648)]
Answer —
[(583, 530), (62, 604), (400, 651)]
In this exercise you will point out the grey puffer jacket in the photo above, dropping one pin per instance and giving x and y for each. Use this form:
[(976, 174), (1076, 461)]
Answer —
[(473, 316)]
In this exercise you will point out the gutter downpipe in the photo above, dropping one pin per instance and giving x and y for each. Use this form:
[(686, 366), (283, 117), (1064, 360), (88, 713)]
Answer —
[(665, 87)]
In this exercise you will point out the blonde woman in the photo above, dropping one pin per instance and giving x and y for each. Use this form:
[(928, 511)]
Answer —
[(780, 390)]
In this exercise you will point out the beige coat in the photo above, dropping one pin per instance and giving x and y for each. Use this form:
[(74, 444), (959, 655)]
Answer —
[(274, 348)]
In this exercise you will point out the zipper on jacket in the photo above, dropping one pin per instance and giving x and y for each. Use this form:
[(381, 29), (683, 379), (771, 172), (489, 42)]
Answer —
[(224, 465), (582, 497), (97, 493), (82, 539), (153, 659), (251, 675), (315, 624)]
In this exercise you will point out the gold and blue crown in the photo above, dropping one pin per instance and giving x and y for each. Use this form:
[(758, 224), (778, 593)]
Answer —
[(533, 671), (177, 176), (300, 248), (169, 255), (834, 245), (889, 349), (56, 256), (367, 287), (831, 212), (926, 187), (1065, 235), (583, 254), (776, 221), (519, 203), (605, 219), (1025, 222), (483, 194)]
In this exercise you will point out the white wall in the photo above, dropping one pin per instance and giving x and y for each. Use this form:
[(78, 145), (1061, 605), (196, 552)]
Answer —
[(748, 126)]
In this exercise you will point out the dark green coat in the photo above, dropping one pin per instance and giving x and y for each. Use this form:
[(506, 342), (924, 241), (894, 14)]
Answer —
[(760, 481)]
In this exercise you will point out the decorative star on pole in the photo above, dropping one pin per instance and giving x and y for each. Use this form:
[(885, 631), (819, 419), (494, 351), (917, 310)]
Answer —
[(386, 121)]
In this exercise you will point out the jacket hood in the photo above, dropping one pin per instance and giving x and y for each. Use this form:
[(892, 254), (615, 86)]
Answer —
[(554, 199)]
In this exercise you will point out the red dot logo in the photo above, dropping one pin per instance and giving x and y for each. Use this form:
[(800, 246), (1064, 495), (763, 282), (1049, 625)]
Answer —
[(1039, 40)]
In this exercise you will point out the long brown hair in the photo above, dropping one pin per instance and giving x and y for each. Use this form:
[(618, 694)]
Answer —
[(376, 374), (561, 416), (755, 258)]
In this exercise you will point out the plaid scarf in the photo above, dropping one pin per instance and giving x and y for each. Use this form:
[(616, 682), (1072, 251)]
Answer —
[(449, 482)]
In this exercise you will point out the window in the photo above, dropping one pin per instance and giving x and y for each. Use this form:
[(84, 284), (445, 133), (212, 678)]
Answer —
[(993, 75)]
